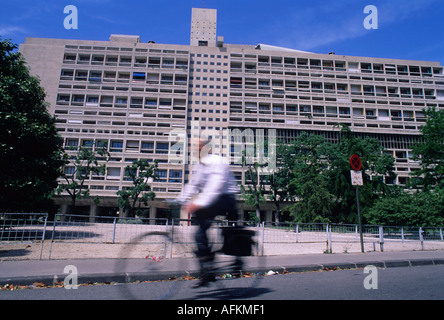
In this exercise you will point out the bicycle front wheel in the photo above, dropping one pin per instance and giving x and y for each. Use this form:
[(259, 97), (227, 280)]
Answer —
[(147, 259)]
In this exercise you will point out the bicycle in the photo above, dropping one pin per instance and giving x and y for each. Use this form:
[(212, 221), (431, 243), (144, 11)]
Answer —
[(168, 264), (227, 263)]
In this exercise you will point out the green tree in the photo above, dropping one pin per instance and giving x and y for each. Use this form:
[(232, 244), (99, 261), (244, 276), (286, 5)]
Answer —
[(303, 164), (254, 189), (424, 204), (78, 169), (278, 190), (429, 152), (318, 179), (376, 167), (422, 209), (30, 147), (141, 173)]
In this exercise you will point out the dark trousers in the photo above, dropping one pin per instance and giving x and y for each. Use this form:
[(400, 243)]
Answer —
[(224, 206)]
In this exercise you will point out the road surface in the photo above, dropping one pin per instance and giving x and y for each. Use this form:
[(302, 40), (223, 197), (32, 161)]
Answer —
[(411, 283)]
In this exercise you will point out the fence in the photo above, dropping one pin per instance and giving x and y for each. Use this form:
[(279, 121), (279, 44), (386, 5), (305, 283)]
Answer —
[(183, 231), (307, 237), (271, 239), (23, 227), (78, 228)]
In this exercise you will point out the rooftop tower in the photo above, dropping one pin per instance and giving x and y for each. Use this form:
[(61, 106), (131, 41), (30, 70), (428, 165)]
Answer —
[(203, 27)]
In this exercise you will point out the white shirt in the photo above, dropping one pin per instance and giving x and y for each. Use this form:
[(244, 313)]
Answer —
[(211, 178)]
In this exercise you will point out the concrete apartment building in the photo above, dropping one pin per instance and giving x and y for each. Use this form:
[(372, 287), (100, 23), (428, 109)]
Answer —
[(145, 99)]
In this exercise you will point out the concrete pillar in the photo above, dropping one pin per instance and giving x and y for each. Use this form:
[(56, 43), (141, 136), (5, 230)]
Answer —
[(184, 216), (240, 213), (153, 214), (268, 216), (64, 208), (93, 209), (123, 213)]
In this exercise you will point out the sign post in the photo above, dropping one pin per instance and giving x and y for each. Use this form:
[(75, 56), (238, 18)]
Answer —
[(356, 179)]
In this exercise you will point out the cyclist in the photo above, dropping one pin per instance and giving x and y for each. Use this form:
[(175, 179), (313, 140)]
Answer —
[(213, 190)]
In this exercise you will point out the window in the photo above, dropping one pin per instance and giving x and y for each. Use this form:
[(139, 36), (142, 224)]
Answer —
[(175, 176), (140, 61), (87, 143), (147, 145), (97, 59), (101, 144), (150, 103), (132, 146), (121, 100), (125, 61), (84, 59), (136, 102), (63, 99), (69, 171), (77, 99), (72, 143), (81, 75), (161, 176), (109, 76), (116, 146), (166, 79), (139, 76), (95, 76), (113, 173), (162, 147), (66, 74), (69, 58), (92, 101)]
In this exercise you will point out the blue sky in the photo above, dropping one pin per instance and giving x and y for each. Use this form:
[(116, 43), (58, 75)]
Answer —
[(407, 29)]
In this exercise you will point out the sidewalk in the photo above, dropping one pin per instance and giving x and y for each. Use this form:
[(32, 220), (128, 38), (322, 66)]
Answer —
[(114, 270)]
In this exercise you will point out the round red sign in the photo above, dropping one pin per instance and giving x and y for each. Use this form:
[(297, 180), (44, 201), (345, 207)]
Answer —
[(355, 162)]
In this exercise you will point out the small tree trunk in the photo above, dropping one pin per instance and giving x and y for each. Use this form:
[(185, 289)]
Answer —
[(73, 204), (277, 212)]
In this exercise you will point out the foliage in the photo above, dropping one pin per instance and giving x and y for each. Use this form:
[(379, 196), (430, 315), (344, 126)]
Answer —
[(84, 163), (423, 205), (317, 175), (303, 163), (430, 152), (30, 147), (376, 166), (254, 191), (278, 183), (141, 173), (421, 209)]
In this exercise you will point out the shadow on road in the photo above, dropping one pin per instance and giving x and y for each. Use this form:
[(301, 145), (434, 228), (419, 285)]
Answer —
[(14, 253), (231, 293)]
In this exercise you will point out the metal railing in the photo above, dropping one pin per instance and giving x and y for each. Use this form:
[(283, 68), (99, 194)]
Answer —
[(78, 228), (23, 228), (183, 231), (271, 238), (328, 234)]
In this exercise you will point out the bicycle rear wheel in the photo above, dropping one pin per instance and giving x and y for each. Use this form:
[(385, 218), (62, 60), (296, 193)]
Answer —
[(238, 267), (153, 266)]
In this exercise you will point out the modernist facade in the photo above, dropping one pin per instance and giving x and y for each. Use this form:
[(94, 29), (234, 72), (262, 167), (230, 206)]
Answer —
[(145, 99)]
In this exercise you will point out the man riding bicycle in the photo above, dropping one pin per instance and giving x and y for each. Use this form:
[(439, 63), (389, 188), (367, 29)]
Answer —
[(212, 189)]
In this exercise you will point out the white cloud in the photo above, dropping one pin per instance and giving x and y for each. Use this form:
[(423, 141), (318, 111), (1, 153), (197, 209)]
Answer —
[(7, 31), (315, 26)]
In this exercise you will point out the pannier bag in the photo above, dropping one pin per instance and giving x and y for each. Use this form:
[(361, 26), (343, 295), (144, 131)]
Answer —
[(238, 241)]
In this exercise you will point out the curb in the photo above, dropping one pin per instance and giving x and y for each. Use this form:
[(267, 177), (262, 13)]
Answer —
[(141, 276)]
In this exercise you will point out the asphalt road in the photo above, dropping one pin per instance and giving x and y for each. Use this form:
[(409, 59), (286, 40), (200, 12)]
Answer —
[(410, 283)]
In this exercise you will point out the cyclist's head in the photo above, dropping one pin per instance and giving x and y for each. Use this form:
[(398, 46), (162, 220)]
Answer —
[(201, 145)]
